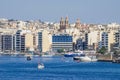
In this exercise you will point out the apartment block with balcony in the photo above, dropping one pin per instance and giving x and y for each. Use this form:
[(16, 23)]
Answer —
[(43, 41), (107, 40), (23, 41), (7, 42), (117, 39)]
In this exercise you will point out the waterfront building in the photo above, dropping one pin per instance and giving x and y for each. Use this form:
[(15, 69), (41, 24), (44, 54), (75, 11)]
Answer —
[(104, 40), (19, 42), (29, 41), (111, 40), (80, 44), (107, 40), (86, 40), (7, 42), (62, 41), (35, 41), (23, 41), (43, 41), (117, 39), (22, 46), (92, 39)]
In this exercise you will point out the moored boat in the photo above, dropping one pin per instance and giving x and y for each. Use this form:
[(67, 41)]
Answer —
[(94, 59), (85, 58), (72, 54), (82, 59)]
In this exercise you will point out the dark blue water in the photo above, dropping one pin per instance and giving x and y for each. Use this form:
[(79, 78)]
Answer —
[(57, 68)]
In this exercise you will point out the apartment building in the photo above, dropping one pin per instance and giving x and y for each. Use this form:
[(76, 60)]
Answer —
[(43, 41)]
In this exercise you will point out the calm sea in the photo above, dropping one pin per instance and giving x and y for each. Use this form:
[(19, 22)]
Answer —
[(56, 68)]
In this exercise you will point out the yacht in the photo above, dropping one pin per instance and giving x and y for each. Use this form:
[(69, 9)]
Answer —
[(93, 58), (84, 58)]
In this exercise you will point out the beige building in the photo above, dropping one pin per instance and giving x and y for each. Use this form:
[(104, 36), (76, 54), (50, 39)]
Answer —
[(29, 41), (43, 41), (111, 40), (24, 41)]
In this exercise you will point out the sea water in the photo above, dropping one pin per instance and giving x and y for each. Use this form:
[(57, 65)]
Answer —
[(56, 68)]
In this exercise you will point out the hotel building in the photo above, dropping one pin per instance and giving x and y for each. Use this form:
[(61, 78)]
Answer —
[(62, 41)]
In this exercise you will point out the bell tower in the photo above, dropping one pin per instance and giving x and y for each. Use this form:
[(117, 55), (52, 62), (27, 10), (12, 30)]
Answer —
[(62, 23), (77, 24), (66, 22)]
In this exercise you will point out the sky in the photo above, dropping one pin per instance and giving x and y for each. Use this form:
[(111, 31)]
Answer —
[(88, 11)]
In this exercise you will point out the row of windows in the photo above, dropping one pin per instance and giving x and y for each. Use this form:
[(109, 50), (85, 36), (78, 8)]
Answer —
[(62, 42), (61, 48), (61, 45), (61, 38)]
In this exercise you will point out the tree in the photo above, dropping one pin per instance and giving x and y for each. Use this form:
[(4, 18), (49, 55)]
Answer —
[(60, 50), (103, 50), (116, 53)]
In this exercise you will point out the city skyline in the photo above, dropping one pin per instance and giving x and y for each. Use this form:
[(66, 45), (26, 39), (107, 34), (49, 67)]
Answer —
[(98, 12)]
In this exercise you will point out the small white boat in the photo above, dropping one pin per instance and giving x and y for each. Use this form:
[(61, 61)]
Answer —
[(40, 66)]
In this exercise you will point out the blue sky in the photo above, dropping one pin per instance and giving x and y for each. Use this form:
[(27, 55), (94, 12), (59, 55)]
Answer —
[(88, 11)]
